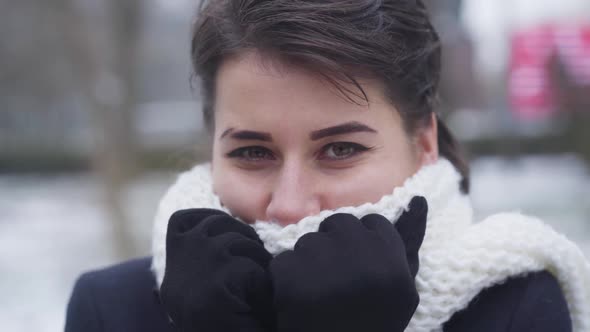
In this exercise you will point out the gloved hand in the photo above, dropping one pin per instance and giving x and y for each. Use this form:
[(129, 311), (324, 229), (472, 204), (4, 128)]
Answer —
[(216, 276), (351, 275)]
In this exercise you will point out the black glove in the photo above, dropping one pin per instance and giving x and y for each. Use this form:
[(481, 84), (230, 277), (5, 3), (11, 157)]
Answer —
[(351, 275), (216, 276)]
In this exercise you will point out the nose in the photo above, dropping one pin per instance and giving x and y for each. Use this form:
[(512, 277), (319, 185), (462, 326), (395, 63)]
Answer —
[(292, 197)]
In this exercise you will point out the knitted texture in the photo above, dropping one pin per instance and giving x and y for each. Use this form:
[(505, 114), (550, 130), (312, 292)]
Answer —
[(458, 258)]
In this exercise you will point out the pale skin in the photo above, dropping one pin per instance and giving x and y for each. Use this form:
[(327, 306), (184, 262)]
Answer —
[(287, 145)]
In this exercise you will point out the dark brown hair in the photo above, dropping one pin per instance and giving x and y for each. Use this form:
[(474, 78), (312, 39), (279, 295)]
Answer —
[(341, 40)]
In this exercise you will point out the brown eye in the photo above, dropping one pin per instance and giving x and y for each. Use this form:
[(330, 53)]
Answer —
[(251, 153), (342, 150)]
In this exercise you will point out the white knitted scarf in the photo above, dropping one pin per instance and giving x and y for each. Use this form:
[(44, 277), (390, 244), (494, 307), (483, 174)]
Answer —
[(458, 258)]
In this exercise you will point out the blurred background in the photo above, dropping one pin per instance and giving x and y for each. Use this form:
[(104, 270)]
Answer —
[(97, 115)]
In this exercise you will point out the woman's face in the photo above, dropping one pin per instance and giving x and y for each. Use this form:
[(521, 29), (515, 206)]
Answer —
[(287, 145)]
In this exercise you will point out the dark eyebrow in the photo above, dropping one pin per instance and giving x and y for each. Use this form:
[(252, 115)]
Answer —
[(247, 135), (345, 128)]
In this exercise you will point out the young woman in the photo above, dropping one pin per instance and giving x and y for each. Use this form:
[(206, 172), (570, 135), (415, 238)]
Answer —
[(335, 200)]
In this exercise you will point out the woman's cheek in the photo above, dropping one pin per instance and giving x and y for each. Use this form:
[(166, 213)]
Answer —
[(241, 197), (366, 186), (350, 194)]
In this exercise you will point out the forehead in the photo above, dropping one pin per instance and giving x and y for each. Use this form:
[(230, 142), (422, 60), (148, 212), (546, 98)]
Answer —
[(252, 89)]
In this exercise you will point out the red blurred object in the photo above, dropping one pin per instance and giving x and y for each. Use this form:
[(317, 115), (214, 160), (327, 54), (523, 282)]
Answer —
[(532, 90)]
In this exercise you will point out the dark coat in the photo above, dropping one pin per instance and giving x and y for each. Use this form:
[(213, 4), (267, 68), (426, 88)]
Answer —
[(122, 298)]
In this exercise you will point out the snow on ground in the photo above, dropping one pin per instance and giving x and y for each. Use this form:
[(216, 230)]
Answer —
[(52, 228)]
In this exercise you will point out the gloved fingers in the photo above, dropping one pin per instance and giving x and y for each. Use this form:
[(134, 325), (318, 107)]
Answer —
[(256, 281), (311, 242), (183, 221), (282, 262), (340, 222), (384, 229), (239, 246), (378, 223), (286, 272), (249, 287), (182, 233), (216, 225), (411, 225)]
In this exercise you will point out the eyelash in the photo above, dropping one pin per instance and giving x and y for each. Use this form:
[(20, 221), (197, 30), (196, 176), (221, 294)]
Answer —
[(239, 153)]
